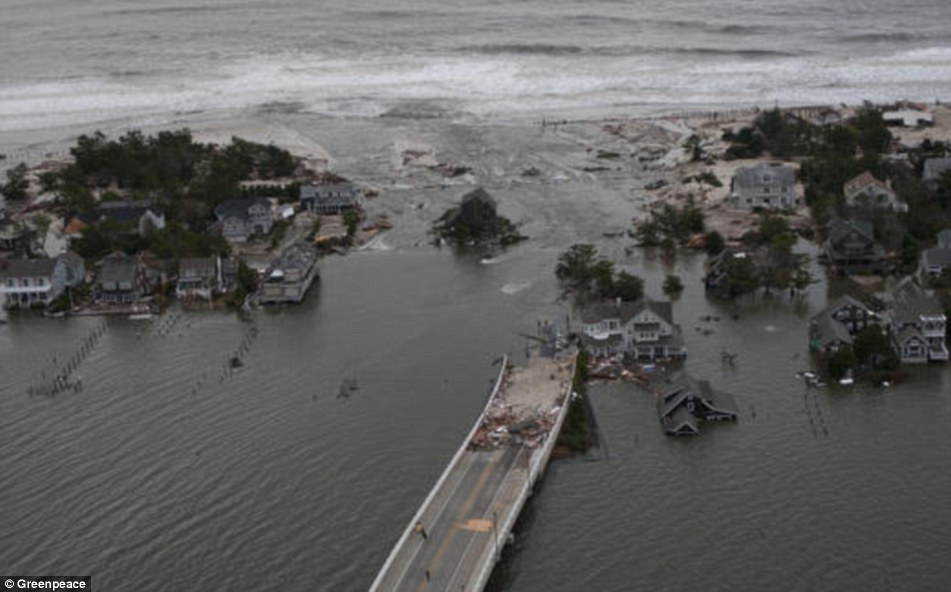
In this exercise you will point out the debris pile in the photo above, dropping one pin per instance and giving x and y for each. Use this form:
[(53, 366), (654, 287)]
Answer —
[(504, 425)]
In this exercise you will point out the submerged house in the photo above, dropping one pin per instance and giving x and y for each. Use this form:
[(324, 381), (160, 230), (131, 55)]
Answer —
[(328, 199), (919, 325), (867, 191), (764, 185), (239, 220), (643, 329), (475, 216), (852, 249), (289, 277), (691, 401)]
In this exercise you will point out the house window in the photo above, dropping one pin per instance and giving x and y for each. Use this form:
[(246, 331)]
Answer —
[(26, 282)]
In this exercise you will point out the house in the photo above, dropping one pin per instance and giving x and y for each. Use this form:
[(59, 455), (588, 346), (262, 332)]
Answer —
[(765, 185), (198, 278), (14, 237), (328, 199), (691, 401), (643, 329), (852, 249), (26, 283), (289, 277), (934, 168), (936, 260), (122, 279), (853, 314), (835, 326), (475, 215), (139, 216), (908, 118), (867, 191), (918, 325), (242, 219)]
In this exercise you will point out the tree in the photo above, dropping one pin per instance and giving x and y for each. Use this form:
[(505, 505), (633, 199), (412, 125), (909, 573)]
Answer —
[(15, 189), (351, 219), (628, 287), (873, 346), (841, 363), (574, 268), (673, 285), (713, 242)]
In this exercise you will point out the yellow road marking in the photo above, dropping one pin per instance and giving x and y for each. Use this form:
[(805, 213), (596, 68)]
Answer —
[(466, 508)]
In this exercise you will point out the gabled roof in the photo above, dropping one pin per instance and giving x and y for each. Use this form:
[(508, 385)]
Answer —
[(846, 300), (118, 268), (675, 397), (861, 182), (336, 194), (763, 174), (479, 194), (934, 168), (203, 267), (909, 333), (839, 228), (825, 329), (625, 311), (240, 207), (16, 268), (910, 303), (127, 210)]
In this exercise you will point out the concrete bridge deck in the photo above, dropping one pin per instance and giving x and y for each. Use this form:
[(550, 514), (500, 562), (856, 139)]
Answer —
[(471, 510)]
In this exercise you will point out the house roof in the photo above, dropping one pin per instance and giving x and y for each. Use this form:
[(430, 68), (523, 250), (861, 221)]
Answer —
[(944, 238), (204, 267), (910, 303), (909, 333), (479, 194), (15, 268), (625, 311), (239, 207), (681, 421), (825, 329), (936, 257), (671, 400), (934, 168), (118, 268), (839, 228), (763, 174), (332, 194), (127, 210), (861, 182), (846, 300)]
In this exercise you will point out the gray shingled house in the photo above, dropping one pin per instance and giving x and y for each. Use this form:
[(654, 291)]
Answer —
[(328, 199), (768, 186), (918, 325), (852, 249), (244, 218), (867, 191), (936, 260), (690, 401), (122, 279), (643, 329)]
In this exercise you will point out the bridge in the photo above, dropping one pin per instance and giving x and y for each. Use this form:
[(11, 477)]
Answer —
[(456, 537)]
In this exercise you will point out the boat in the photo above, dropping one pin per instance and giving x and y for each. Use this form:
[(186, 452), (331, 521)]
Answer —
[(847, 381)]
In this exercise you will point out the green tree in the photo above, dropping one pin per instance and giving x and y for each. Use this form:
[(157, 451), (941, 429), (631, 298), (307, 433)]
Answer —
[(628, 287), (15, 189), (574, 268), (673, 285), (841, 363), (873, 346), (713, 242)]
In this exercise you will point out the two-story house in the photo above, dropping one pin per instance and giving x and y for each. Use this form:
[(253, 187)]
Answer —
[(328, 199), (138, 216), (690, 401), (768, 186), (643, 329), (835, 326), (122, 279), (27, 283), (241, 219), (918, 325), (852, 249), (936, 260), (289, 277), (198, 278), (867, 191)]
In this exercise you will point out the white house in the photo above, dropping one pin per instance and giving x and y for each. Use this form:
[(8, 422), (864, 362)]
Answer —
[(644, 329), (769, 186), (866, 190), (25, 283)]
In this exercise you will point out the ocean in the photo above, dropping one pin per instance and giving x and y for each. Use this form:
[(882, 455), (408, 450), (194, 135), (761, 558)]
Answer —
[(115, 63)]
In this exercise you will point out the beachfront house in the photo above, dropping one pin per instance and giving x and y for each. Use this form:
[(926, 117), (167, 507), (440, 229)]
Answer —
[(683, 406), (908, 118), (764, 185), (328, 199), (937, 260), (29, 283), (198, 278), (852, 249), (241, 219), (122, 279), (918, 325), (476, 215), (289, 276), (867, 191), (642, 329), (835, 326)]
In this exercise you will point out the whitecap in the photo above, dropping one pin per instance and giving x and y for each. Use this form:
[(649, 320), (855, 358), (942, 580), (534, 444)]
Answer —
[(515, 287)]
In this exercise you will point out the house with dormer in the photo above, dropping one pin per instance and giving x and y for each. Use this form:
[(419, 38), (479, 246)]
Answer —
[(867, 191), (136, 216), (852, 248), (122, 279), (764, 185), (919, 325), (644, 330), (835, 326), (242, 219), (29, 283)]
